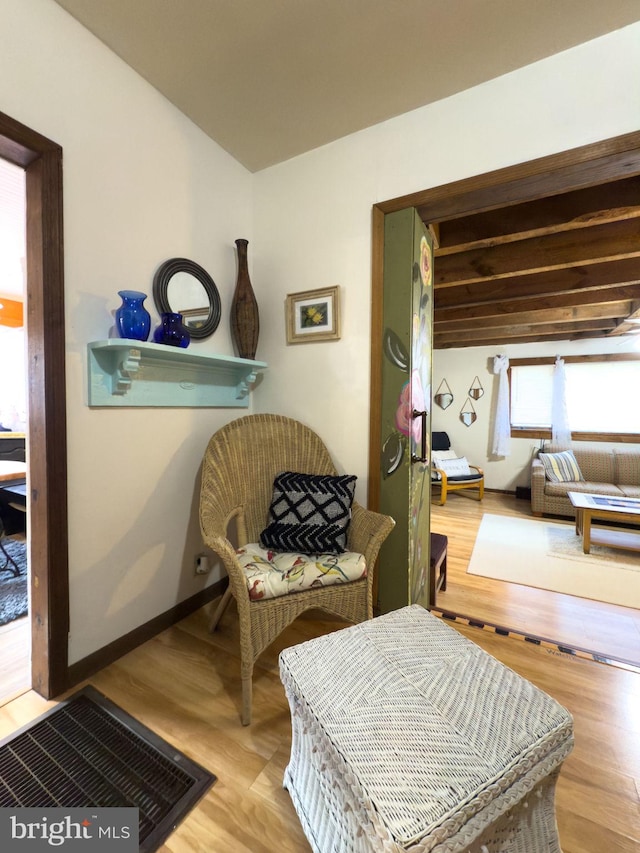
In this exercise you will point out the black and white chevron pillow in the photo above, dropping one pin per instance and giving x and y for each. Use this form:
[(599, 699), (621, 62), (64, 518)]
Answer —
[(309, 513)]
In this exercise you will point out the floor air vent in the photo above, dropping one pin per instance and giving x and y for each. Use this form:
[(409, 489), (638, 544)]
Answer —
[(89, 752)]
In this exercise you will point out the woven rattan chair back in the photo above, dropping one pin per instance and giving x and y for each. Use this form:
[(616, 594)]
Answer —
[(239, 466), (242, 460)]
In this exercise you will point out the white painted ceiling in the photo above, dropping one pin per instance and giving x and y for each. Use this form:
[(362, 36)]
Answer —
[(271, 79)]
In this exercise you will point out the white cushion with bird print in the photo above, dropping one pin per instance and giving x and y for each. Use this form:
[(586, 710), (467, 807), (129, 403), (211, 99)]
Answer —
[(271, 574)]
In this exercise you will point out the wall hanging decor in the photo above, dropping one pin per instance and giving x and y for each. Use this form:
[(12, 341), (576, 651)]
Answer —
[(133, 321), (443, 396), (476, 391), (245, 319), (313, 315), (181, 286), (468, 414)]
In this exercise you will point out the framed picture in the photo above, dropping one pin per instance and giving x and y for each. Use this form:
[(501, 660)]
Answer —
[(313, 315), (195, 318)]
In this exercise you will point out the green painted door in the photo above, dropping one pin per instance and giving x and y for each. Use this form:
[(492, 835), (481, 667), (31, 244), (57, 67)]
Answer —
[(405, 484)]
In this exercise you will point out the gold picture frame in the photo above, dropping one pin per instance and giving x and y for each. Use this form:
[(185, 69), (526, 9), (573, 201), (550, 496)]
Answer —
[(313, 316)]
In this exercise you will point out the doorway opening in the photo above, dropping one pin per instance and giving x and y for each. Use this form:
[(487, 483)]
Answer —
[(568, 172), (46, 500), (15, 640)]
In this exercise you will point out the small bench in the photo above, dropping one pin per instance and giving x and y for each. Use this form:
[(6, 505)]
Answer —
[(406, 736)]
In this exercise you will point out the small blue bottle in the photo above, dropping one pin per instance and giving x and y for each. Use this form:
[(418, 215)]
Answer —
[(172, 331), (133, 321)]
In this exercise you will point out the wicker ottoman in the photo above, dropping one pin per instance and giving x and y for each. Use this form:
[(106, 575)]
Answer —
[(408, 737)]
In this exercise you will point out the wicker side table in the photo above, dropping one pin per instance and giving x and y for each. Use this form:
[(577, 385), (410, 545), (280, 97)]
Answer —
[(408, 737)]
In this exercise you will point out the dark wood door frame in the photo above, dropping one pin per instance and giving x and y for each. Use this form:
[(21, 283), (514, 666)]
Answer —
[(47, 431), (600, 162)]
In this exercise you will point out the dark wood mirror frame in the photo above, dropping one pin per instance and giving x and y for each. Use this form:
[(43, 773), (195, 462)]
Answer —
[(161, 280)]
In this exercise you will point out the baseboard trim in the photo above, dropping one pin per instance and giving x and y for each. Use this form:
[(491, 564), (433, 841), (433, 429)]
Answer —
[(86, 667)]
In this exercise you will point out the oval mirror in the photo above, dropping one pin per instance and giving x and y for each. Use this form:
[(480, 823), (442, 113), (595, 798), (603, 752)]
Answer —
[(184, 287)]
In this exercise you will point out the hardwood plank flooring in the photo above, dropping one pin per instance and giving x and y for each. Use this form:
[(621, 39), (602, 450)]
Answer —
[(15, 655), (579, 622), (15, 659), (185, 685)]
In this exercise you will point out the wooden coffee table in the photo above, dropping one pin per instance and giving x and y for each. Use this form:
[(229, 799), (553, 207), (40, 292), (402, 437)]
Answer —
[(606, 508)]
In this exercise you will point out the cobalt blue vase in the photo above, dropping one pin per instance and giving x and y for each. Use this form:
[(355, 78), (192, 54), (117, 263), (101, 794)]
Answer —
[(172, 331), (133, 321)]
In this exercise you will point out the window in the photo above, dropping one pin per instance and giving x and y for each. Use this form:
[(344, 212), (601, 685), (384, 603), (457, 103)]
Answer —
[(600, 397)]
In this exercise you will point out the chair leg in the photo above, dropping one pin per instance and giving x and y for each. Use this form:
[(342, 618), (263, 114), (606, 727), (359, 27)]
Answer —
[(481, 490), (222, 606), (247, 697)]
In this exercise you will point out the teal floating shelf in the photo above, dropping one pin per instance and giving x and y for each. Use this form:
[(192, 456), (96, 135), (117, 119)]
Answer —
[(132, 373)]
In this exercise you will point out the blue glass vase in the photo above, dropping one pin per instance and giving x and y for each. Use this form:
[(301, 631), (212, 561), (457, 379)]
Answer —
[(172, 331), (133, 321)]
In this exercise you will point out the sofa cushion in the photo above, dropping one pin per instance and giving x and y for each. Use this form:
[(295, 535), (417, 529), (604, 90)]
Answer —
[(585, 486), (627, 468), (561, 467), (596, 462), (630, 491), (597, 465)]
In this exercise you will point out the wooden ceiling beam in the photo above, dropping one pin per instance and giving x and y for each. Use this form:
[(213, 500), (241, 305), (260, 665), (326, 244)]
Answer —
[(609, 311), (604, 203), (505, 309), (499, 340), (532, 332), (570, 280), (588, 165), (611, 241), (624, 328), (539, 242)]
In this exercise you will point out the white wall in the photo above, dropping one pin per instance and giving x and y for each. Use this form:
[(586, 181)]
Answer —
[(313, 213), (141, 184)]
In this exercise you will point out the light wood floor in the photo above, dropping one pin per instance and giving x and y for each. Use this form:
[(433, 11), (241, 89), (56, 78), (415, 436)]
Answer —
[(184, 684), (15, 655), (577, 622), (15, 659)]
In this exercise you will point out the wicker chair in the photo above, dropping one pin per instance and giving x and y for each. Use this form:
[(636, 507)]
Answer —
[(239, 467)]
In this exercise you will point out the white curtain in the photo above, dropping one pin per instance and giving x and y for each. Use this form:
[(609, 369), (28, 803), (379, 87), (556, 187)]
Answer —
[(502, 428), (560, 429)]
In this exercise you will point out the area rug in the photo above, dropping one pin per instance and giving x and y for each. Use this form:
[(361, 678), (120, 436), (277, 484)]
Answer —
[(88, 753), (13, 590), (548, 555)]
